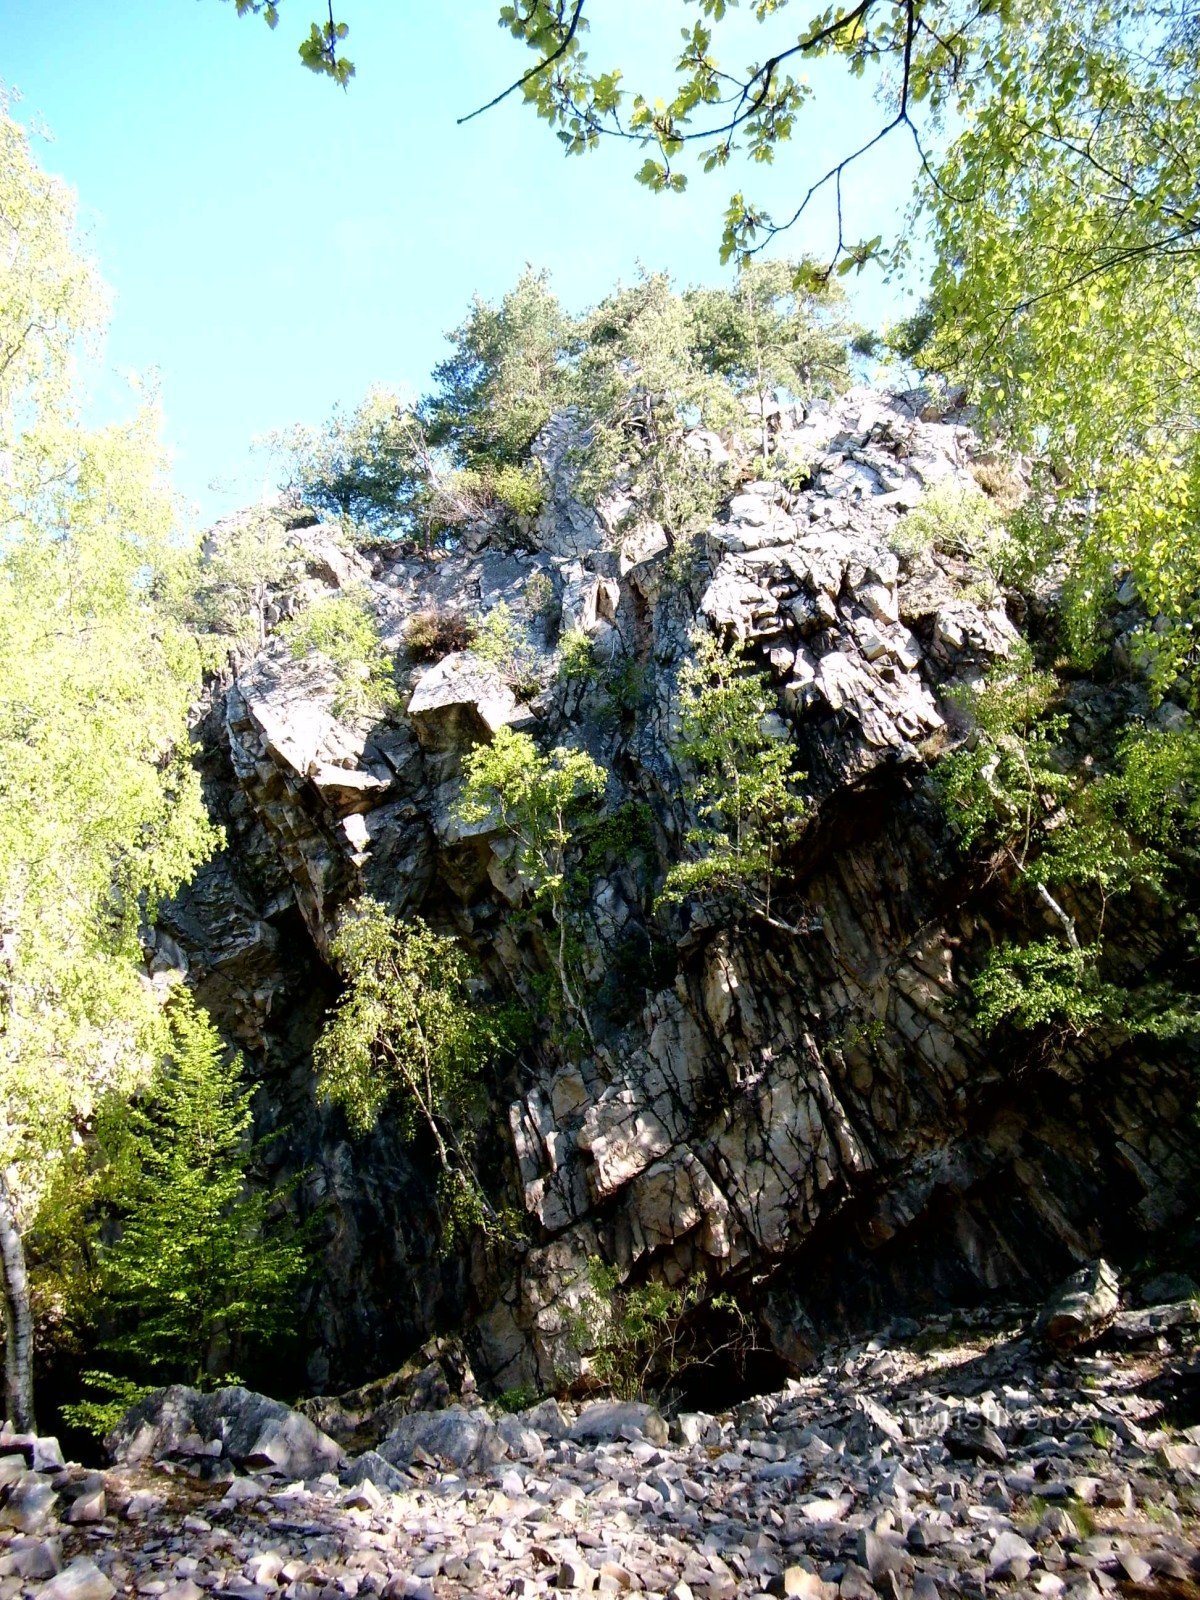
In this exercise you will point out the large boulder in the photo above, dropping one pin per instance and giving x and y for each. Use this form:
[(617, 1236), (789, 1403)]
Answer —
[(370, 1467), (248, 1429), (460, 701), (1081, 1308), (456, 1437), (606, 1420)]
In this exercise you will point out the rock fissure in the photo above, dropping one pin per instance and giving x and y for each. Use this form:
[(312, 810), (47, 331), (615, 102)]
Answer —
[(811, 1116)]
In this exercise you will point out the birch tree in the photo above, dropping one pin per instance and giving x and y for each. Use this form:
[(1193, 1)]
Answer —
[(100, 809)]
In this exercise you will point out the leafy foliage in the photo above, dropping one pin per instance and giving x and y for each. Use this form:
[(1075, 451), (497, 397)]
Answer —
[(641, 384), (506, 376), (539, 800), (100, 808), (1040, 983), (539, 600), (1066, 291), (1005, 783), (343, 628), (407, 1034), (635, 1340), (577, 656), (718, 108), (200, 1269), (223, 594), (320, 48), (955, 519), (742, 784), (51, 298), (502, 640), (1083, 838), (373, 467)]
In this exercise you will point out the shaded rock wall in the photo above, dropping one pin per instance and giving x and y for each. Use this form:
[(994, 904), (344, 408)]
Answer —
[(807, 1115)]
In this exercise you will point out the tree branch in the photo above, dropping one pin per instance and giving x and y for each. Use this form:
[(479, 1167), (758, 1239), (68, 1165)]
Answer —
[(559, 51)]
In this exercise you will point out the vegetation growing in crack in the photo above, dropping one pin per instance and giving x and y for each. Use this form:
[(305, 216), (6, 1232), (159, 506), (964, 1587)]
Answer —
[(502, 640), (410, 1034), (343, 628), (638, 1340), (955, 519), (742, 770), (538, 801), (1083, 841), (630, 382)]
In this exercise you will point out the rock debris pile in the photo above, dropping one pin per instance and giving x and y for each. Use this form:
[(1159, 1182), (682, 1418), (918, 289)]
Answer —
[(980, 1463)]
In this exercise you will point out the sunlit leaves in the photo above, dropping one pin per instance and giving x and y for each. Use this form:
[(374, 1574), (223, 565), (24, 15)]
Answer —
[(540, 802), (100, 809), (741, 775), (1066, 295), (320, 50)]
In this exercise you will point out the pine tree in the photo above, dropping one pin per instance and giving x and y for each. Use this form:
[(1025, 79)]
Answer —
[(776, 328), (640, 386), (200, 1269)]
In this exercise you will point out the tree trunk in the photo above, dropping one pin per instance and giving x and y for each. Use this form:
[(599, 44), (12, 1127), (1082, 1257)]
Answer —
[(18, 1318)]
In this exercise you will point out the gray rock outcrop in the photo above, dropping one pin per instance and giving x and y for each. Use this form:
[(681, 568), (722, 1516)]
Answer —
[(250, 1430), (808, 1117)]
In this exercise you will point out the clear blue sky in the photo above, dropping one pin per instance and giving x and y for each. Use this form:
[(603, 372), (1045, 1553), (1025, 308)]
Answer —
[(275, 245)]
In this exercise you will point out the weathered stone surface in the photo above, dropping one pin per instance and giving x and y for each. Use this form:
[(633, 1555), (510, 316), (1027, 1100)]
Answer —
[(974, 1439), (619, 1419), (1169, 1288), (29, 1505), (459, 701), (1081, 1308), (371, 1467), (249, 1429), (82, 1580), (457, 1436), (802, 1111), (783, 1496)]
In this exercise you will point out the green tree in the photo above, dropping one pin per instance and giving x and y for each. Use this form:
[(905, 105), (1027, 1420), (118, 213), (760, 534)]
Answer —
[(741, 772), (371, 467), (641, 384), (202, 1268), (776, 328), (539, 800), (1066, 292), (389, 468), (409, 1034), (222, 595), (1054, 142), (1080, 838), (507, 375), (100, 808)]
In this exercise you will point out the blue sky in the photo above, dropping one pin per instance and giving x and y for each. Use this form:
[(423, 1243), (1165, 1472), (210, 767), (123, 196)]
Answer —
[(275, 246)]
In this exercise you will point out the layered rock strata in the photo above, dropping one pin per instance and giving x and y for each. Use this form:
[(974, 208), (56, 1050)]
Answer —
[(808, 1116)]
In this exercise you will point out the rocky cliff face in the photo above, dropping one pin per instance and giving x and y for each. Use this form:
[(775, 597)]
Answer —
[(808, 1116)]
